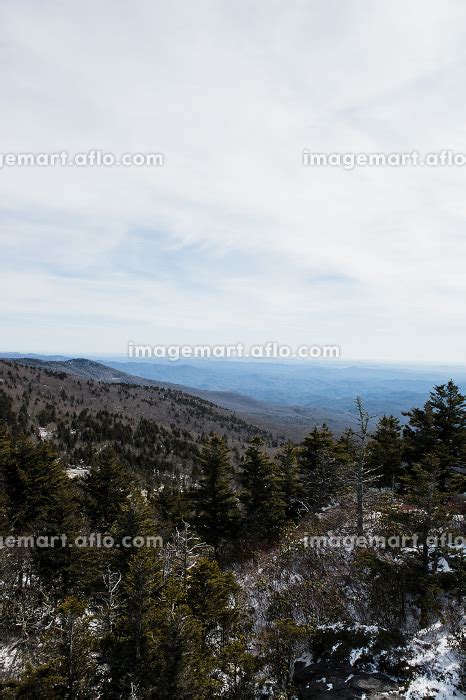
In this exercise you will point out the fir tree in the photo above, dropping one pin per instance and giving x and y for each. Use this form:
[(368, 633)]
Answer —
[(385, 450), (178, 665), (210, 595), (261, 496), (289, 477), (74, 649), (37, 488), (5, 456), (216, 504), (439, 428), (430, 515), (106, 487), (319, 467), (135, 520)]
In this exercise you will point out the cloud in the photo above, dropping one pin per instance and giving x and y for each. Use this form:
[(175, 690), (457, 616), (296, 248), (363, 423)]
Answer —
[(233, 239)]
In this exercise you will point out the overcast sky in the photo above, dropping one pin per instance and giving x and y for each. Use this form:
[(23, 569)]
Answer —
[(233, 239)]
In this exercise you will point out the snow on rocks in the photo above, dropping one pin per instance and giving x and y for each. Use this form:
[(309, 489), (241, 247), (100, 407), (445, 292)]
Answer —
[(436, 666)]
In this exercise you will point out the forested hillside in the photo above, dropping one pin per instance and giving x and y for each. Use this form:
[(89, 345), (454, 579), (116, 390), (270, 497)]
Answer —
[(155, 546), (156, 431)]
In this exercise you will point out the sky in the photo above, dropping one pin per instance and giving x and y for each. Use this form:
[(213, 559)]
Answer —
[(233, 239)]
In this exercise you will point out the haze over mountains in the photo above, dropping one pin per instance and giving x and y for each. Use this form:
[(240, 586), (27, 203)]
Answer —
[(285, 397)]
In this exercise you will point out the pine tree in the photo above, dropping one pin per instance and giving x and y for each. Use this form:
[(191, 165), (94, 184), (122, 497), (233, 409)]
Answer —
[(210, 594), (135, 519), (125, 645), (172, 507), (319, 440), (261, 496), (282, 642), (36, 487), (142, 586), (289, 478), (319, 467), (7, 414), (385, 450), (239, 667), (216, 505), (439, 428), (106, 488), (177, 664), (74, 649), (429, 517), (5, 456)]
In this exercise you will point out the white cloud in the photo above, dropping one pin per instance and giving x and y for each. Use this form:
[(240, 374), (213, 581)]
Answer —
[(241, 242)]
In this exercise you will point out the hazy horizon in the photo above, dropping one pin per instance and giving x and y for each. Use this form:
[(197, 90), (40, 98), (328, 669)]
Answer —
[(341, 361)]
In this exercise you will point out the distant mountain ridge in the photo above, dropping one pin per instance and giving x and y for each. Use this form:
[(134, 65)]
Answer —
[(284, 398), (84, 385)]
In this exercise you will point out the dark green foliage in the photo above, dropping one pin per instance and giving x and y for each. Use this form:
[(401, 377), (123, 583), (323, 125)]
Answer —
[(36, 487), (37, 682), (319, 467), (426, 516), (210, 594), (439, 428), (283, 641), (179, 667), (174, 622), (261, 496), (7, 414), (289, 477), (385, 451), (106, 487), (215, 501)]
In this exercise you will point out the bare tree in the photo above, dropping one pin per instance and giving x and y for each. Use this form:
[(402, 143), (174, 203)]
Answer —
[(109, 605), (182, 551), (361, 476)]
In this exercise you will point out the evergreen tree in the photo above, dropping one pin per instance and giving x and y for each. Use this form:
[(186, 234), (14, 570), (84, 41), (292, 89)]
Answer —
[(178, 665), (319, 440), (439, 428), (385, 450), (106, 488), (289, 477), (142, 585), (430, 515), (74, 649), (346, 447), (135, 520), (126, 646), (319, 467), (261, 496), (282, 642), (240, 667), (216, 504), (5, 456), (210, 596), (36, 487), (7, 414), (172, 507)]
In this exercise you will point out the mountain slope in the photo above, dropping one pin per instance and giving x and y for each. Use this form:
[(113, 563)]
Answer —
[(154, 428)]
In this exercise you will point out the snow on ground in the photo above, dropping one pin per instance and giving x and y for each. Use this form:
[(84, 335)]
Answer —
[(436, 666), (74, 472), (9, 657), (306, 659), (357, 653), (443, 566)]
